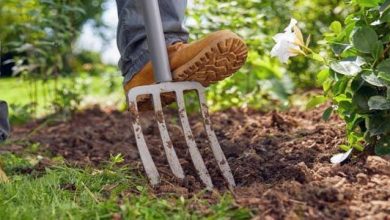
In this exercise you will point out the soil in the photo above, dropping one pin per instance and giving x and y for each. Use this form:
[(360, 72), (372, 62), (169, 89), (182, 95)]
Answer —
[(280, 161)]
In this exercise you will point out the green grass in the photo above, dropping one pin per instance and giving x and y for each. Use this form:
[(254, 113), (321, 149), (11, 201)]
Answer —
[(63, 192), (20, 93)]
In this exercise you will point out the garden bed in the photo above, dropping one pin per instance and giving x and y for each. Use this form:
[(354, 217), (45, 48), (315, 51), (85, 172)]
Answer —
[(280, 161)]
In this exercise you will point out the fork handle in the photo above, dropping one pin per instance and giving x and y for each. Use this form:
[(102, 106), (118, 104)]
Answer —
[(156, 40)]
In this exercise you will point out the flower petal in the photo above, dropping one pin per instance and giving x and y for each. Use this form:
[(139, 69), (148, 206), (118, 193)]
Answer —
[(289, 28), (298, 35), (339, 158), (287, 43)]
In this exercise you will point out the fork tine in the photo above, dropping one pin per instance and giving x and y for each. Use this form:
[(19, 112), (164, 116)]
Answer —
[(146, 158), (216, 148), (194, 151), (166, 140), (196, 157)]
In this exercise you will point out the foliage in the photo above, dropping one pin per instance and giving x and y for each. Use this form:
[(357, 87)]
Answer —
[(68, 99), (13, 164), (111, 192), (103, 88), (21, 113), (31, 15), (262, 79), (358, 80), (39, 35), (41, 32)]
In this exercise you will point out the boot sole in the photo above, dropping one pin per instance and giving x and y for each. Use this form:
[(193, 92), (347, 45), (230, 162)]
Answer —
[(219, 60), (214, 63)]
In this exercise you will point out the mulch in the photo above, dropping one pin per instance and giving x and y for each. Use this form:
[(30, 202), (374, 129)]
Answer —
[(280, 160)]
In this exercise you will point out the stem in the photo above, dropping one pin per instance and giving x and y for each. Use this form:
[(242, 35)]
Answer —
[(382, 57), (387, 49)]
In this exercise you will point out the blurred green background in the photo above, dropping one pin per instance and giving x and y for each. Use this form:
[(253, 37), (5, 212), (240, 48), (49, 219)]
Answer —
[(58, 55)]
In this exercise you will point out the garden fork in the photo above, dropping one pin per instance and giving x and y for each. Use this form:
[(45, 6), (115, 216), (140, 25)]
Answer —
[(164, 84)]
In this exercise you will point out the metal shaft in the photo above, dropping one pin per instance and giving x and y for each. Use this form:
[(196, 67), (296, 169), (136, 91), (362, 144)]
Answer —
[(156, 40)]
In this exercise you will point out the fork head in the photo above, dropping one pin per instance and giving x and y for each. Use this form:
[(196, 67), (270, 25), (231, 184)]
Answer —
[(178, 88)]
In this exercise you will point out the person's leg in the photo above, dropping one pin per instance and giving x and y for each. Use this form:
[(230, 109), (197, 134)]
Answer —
[(131, 35), (4, 124), (208, 60)]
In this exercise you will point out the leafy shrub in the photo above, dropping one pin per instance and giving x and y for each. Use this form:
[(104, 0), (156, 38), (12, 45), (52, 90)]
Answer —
[(42, 32), (263, 80), (40, 35), (358, 80), (69, 96), (88, 62), (21, 113)]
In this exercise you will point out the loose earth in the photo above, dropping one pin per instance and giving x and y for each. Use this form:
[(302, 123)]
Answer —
[(280, 161)]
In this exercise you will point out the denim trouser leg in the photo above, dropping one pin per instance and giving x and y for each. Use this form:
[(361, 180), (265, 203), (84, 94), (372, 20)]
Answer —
[(131, 36), (4, 124)]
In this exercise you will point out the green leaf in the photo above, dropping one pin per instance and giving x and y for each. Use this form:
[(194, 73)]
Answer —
[(140, 188), (378, 124), (355, 122), (367, 3), (358, 147), (316, 101), (336, 27), (339, 48), (327, 113), (364, 39), (372, 79), (327, 85), (317, 57), (348, 68), (361, 97), (322, 76), (378, 103), (357, 83), (377, 50), (383, 146), (384, 66), (385, 77), (385, 17), (344, 147), (342, 98), (354, 138), (386, 38), (341, 86)]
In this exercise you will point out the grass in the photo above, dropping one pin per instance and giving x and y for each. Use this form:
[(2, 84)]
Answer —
[(64, 192), (19, 93)]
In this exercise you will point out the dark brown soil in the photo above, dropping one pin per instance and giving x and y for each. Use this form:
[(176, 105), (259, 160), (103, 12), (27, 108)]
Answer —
[(280, 161)]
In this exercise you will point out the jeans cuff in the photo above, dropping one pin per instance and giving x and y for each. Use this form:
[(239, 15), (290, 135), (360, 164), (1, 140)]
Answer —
[(144, 57)]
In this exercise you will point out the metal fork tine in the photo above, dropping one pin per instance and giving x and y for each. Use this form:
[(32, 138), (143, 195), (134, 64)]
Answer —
[(166, 140), (216, 148), (174, 163), (163, 77), (194, 151), (146, 158)]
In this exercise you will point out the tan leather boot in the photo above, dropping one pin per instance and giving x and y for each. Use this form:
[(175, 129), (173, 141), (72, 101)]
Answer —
[(206, 61)]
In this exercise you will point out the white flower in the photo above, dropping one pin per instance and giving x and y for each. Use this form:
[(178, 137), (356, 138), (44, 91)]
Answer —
[(287, 43)]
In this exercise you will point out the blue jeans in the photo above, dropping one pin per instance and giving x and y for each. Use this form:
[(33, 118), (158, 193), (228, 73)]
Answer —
[(131, 35)]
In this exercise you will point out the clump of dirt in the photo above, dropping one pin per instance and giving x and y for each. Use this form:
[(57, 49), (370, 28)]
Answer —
[(280, 161)]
